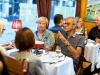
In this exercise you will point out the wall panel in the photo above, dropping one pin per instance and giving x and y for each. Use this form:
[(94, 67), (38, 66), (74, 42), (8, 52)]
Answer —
[(88, 24)]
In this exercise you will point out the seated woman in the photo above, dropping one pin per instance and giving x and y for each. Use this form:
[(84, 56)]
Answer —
[(3, 67), (76, 19), (24, 41), (1, 31), (80, 29), (43, 34), (10, 46)]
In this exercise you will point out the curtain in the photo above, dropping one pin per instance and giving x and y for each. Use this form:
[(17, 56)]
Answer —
[(44, 7), (78, 7)]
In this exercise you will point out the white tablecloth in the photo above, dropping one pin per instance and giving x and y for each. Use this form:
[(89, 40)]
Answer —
[(61, 68), (92, 52), (55, 64)]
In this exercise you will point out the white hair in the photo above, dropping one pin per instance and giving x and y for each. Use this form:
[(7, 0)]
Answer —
[(43, 19)]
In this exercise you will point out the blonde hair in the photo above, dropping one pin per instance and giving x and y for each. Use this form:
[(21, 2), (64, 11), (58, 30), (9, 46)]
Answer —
[(1, 26), (43, 19)]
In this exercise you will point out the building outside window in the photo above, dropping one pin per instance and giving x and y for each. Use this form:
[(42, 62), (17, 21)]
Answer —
[(65, 7), (26, 10)]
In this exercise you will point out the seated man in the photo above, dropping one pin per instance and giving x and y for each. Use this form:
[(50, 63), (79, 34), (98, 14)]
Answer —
[(58, 21), (95, 31), (70, 44), (43, 34)]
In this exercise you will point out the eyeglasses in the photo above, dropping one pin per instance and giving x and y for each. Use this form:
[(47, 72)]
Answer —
[(79, 21), (68, 23)]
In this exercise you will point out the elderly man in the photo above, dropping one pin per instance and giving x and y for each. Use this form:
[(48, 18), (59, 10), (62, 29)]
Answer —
[(43, 34), (94, 33), (71, 44)]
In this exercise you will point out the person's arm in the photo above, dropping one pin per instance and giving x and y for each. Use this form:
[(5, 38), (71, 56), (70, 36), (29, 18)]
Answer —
[(36, 68), (11, 46), (1, 67), (2, 50), (76, 52)]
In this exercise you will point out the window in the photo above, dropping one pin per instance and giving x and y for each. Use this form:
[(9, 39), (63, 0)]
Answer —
[(26, 10), (65, 7)]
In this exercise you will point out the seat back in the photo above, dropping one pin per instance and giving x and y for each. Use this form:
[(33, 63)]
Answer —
[(56, 37), (83, 67), (16, 67)]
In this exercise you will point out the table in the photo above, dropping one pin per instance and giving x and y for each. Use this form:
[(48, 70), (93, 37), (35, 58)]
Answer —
[(55, 64), (61, 68), (92, 53)]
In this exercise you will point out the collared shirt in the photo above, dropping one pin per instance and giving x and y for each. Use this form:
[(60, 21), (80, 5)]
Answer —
[(75, 40), (47, 37)]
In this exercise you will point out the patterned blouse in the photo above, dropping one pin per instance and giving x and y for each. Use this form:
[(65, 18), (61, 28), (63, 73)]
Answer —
[(47, 37)]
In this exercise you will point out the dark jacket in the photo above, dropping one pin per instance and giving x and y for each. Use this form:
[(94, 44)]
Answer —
[(94, 32)]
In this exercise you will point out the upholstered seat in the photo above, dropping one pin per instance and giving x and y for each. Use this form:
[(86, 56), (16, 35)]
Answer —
[(16, 67)]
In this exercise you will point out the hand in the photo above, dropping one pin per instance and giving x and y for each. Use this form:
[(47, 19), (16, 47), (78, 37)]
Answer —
[(11, 46), (63, 38)]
